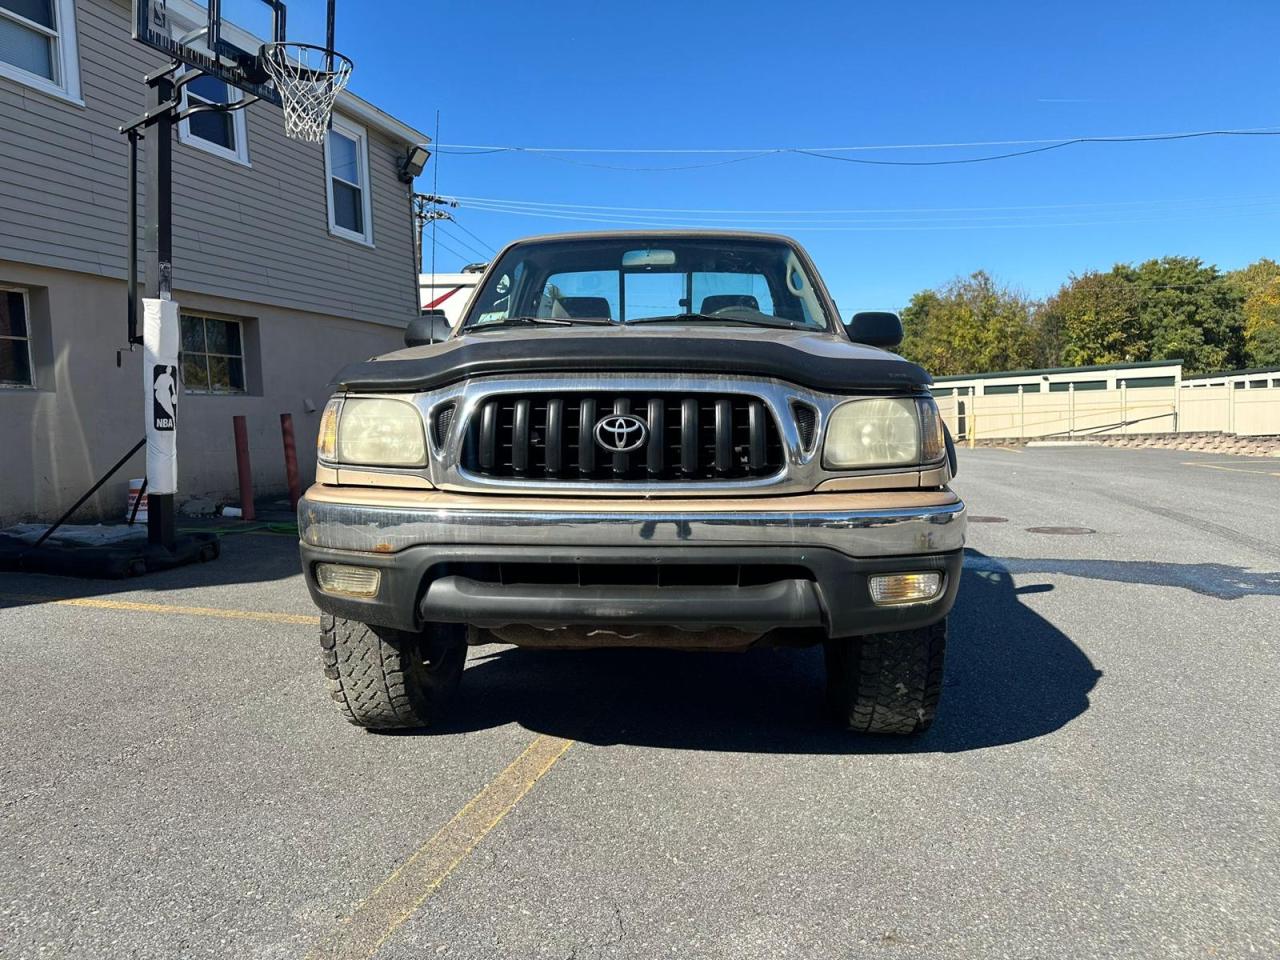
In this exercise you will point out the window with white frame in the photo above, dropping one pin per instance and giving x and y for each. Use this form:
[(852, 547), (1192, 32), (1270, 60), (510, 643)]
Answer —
[(212, 356), (221, 132), (38, 45), (15, 338), (346, 156)]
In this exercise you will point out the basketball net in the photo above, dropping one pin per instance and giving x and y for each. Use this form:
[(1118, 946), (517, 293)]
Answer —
[(308, 79)]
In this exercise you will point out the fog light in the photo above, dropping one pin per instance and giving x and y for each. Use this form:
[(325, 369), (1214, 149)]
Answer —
[(347, 580), (888, 589)]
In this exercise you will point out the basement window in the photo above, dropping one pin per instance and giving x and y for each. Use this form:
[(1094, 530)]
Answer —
[(15, 338), (212, 357)]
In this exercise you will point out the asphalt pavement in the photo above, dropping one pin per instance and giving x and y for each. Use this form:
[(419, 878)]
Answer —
[(1103, 778)]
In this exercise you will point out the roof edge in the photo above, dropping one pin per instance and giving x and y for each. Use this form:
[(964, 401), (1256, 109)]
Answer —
[(361, 109), (1246, 372)]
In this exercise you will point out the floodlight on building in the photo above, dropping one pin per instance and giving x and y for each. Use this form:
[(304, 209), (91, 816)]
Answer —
[(413, 162)]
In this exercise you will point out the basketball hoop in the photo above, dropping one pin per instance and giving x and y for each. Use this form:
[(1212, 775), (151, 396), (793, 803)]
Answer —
[(308, 79)]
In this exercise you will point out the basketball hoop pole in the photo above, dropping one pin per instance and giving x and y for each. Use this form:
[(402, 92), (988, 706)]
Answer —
[(159, 314), (280, 72), (158, 243)]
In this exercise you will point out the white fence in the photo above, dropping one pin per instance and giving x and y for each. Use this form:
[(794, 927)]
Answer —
[(1123, 410)]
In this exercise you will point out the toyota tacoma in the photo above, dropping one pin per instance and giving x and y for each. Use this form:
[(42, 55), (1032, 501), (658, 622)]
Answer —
[(636, 439)]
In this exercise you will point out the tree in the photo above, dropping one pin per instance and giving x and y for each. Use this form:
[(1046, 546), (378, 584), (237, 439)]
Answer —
[(972, 325), (1098, 319), (1194, 311), (1259, 285), (1173, 308)]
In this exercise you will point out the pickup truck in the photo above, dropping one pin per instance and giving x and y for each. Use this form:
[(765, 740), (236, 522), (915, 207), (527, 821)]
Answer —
[(644, 439)]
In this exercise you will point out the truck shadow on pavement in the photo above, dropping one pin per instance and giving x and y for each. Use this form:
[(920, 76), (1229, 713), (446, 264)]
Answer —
[(1011, 676), (1223, 581)]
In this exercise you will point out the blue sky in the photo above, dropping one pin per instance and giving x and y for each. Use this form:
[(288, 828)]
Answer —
[(750, 73)]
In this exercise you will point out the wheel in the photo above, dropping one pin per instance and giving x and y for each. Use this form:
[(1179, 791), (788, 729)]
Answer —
[(383, 678), (887, 682)]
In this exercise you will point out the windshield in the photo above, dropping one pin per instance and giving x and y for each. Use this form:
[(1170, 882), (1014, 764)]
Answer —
[(712, 280)]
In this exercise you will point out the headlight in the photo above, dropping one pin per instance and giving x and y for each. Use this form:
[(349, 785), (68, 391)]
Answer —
[(381, 433), (883, 432)]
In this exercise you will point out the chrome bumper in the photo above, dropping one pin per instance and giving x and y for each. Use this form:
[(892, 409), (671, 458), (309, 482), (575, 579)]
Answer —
[(883, 532)]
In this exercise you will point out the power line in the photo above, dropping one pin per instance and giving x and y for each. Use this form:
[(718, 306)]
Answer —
[(831, 153), (1153, 138), (461, 256), (1046, 216), (471, 201), (818, 219), (462, 242), (492, 249), (887, 226), (491, 148)]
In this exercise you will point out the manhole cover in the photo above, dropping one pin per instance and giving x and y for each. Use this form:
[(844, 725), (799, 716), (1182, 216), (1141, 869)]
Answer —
[(1063, 531), (982, 519)]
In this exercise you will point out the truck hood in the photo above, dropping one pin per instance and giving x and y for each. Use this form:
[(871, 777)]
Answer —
[(821, 361)]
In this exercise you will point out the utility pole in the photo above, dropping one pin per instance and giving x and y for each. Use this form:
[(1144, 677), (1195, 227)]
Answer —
[(423, 213)]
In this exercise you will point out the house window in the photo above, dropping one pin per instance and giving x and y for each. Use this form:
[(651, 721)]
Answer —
[(38, 45), (219, 132), (212, 355), (15, 339), (347, 165)]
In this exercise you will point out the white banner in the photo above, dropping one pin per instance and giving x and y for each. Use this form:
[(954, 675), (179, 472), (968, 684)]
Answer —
[(160, 339)]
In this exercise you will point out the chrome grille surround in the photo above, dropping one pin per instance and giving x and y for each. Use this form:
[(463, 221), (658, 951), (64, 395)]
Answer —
[(801, 469)]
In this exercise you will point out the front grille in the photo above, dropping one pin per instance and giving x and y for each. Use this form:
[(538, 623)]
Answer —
[(440, 423), (625, 575), (691, 437), (806, 423)]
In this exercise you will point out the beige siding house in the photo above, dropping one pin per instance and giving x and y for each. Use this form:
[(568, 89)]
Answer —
[(290, 260)]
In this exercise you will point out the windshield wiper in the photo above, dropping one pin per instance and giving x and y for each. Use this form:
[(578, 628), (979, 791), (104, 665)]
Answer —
[(710, 318)]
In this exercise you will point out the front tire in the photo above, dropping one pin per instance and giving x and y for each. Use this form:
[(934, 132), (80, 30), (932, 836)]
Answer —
[(886, 682), (383, 678)]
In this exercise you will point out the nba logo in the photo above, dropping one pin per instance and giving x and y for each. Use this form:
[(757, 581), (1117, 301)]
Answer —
[(164, 396)]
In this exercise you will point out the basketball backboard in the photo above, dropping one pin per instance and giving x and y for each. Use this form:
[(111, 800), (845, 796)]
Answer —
[(196, 35)]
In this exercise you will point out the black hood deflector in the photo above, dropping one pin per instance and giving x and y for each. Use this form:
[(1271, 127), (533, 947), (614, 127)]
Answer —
[(547, 352)]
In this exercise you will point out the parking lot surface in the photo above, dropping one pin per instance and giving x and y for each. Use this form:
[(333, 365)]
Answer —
[(1103, 778)]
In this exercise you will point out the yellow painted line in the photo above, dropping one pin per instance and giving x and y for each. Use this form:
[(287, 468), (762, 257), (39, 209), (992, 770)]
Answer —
[(1233, 469), (223, 613), (398, 897)]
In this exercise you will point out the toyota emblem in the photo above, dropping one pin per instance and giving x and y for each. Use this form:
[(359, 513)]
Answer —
[(621, 433)]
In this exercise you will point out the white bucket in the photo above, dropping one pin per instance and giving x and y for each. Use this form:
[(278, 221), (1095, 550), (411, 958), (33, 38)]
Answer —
[(135, 488)]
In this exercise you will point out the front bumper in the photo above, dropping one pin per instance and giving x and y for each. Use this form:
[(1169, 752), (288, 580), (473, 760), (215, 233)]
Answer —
[(426, 542)]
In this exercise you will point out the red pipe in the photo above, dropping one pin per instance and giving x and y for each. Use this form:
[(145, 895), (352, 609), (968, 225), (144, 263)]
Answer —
[(243, 468), (290, 459)]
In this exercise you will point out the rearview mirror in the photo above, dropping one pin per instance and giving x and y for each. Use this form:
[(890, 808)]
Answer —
[(649, 258), (875, 328), (431, 327)]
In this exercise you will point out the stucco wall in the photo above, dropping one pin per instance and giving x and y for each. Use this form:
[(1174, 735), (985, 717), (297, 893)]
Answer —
[(85, 412)]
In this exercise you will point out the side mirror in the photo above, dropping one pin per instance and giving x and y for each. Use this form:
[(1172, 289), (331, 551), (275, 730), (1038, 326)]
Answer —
[(875, 328), (431, 327)]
